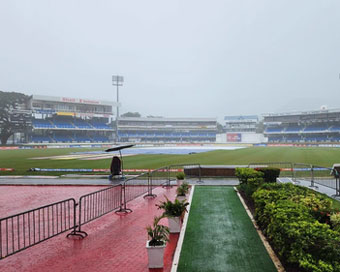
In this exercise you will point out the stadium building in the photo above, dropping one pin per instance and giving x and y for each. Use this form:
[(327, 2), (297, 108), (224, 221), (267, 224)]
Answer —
[(241, 129), (67, 120), (321, 126), (167, 130)]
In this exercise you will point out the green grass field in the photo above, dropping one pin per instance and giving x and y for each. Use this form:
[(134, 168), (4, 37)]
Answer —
[(213, 240), (22, 160)]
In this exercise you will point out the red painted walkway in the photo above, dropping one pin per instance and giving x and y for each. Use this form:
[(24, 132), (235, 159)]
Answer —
[(115, 243)]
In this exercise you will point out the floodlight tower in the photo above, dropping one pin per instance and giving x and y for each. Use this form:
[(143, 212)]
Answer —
[(117, 81)]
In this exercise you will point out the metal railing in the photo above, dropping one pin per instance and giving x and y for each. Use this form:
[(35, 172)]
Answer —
[(97, 204), (190, 170), (26, 229), (159, 177), (135, 187), (299, 172), (302, 171), (287, 168), (314, 174)]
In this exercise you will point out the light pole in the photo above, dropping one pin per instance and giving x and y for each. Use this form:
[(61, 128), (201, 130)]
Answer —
[(117, 81)]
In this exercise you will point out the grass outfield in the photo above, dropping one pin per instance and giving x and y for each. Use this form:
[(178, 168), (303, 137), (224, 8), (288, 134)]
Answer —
[(21, 159)]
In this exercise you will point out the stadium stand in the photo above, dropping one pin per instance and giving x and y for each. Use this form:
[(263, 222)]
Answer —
[(321, 126), (69, 120), (161, 130)]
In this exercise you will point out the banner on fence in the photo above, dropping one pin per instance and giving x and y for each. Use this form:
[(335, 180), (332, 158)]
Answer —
[(7, 169), (97, 170)]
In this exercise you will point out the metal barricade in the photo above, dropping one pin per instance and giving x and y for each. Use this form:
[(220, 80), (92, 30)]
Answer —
[(135, 187), (97, 204), (303, 172), (321, 175), (190, 170), (159, 177), (29, 228), (286, 168)]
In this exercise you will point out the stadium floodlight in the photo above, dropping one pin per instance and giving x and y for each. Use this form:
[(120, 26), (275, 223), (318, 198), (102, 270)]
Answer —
[(117, 81)]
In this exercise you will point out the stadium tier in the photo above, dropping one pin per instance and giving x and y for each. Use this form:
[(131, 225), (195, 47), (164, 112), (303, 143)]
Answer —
[(241, 123), (68, 120), (321, 126), (241, 129), (165, 130), (72, 120)]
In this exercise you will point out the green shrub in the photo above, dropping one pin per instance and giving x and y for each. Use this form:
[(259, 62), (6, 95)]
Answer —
[(157, 233), (293, 219), (335, 221), (269, 174), (173, 209), (180, 176), (183, 189), (244, 174), (250, 180)]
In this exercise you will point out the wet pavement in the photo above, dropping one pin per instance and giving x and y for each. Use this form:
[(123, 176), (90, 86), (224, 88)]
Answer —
[(331, 192), (114, 242), (103, 180)]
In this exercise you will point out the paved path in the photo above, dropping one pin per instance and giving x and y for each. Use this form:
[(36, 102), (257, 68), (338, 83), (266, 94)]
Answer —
[(317, 187), (115, 243), (220, 235)]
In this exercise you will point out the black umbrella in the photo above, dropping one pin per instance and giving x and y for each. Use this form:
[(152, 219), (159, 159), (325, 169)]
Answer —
[(119, 148)]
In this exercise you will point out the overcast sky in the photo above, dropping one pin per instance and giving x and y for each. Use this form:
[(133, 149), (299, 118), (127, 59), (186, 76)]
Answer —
[(179, 58)]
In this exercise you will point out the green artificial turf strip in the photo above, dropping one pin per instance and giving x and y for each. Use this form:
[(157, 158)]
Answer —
[(220, 236), (21, 159)]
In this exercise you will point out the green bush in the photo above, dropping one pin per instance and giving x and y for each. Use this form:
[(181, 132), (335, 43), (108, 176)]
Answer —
[(183, 189), (269, 173), (244, 174), (250, 180), (180, 176), (173, 209), (335, 221), (292, 218)]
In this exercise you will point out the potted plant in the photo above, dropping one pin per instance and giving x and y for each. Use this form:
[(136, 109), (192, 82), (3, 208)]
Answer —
[(180, 178), (182, 191), (173, 211), (159, 235)]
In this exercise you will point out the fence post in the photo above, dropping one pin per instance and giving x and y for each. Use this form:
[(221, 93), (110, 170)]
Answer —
[(150, 194), (312, 185), (75, 232), (168, 170), (123, 208), (199, 174), (337, 181)]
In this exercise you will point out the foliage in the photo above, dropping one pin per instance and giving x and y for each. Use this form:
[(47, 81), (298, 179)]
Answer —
[(335, 221), (180, 175), (159, 234), (131, 114), (295, 220), (269, 173), (173, 209), (219, 127), (244, 174), (183, 189), (12, 118), (250, 180)]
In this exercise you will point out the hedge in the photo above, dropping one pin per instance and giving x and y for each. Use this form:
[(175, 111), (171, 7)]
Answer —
[(296, 222)]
